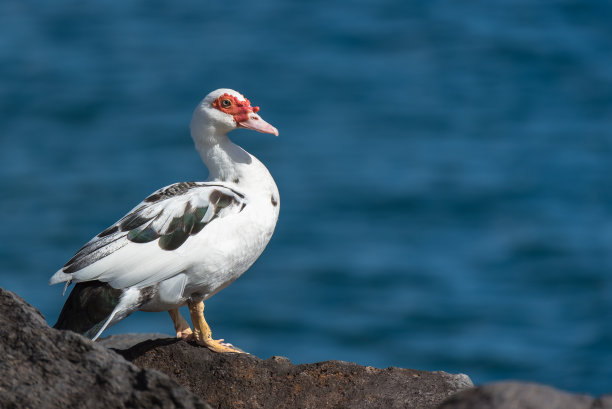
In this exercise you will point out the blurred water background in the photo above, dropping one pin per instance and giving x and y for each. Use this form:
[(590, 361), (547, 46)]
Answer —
[(444, 169)]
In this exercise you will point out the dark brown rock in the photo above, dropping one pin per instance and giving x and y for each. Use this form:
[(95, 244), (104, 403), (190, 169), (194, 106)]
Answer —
[(42, 367), (244, 381), (518, 395)]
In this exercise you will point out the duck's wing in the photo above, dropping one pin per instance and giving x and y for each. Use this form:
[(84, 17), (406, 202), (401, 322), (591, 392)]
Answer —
[(141, 248)]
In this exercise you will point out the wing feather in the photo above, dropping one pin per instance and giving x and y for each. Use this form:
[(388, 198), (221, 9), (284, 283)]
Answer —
[(149, 233)]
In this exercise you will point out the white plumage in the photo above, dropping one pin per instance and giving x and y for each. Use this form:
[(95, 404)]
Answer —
[(184, 242)]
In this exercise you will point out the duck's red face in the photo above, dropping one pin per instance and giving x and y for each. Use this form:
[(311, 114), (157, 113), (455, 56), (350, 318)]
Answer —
[(243, 113), (231, 105)]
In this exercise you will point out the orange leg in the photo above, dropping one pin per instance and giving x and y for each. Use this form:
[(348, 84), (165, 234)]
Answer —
[(180, 325), (202, 333)]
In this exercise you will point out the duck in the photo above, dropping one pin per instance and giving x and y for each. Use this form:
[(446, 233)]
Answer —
[(184, 242)]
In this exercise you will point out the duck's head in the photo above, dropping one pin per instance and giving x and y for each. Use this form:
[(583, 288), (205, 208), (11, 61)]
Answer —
[(224, 110)]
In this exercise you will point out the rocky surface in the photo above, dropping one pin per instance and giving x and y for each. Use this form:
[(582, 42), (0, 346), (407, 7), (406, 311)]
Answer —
[(45, 368), (244, 381), (519, 395)]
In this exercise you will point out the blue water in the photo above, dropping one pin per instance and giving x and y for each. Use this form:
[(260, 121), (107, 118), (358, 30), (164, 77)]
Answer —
[(444, 167)]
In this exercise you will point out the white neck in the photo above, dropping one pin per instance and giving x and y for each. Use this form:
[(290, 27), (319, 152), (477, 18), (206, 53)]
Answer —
[(226, 161)]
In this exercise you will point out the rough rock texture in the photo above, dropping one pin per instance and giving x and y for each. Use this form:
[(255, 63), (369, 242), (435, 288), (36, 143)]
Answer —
[(126, 341), (44, 368), (518, 395), (244, 381)]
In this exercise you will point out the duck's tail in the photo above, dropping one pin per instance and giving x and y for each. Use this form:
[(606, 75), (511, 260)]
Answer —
[(90, 308)]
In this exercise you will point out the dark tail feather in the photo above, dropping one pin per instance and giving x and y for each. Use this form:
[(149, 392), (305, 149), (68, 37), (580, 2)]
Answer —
[(88, 307)]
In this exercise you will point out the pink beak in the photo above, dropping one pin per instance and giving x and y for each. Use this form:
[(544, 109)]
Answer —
[(255, 122)]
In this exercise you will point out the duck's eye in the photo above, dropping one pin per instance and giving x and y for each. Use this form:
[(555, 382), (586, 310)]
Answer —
[(226, 103)]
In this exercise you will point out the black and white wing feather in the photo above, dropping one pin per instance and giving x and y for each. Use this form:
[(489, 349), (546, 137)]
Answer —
[(159, 225)]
